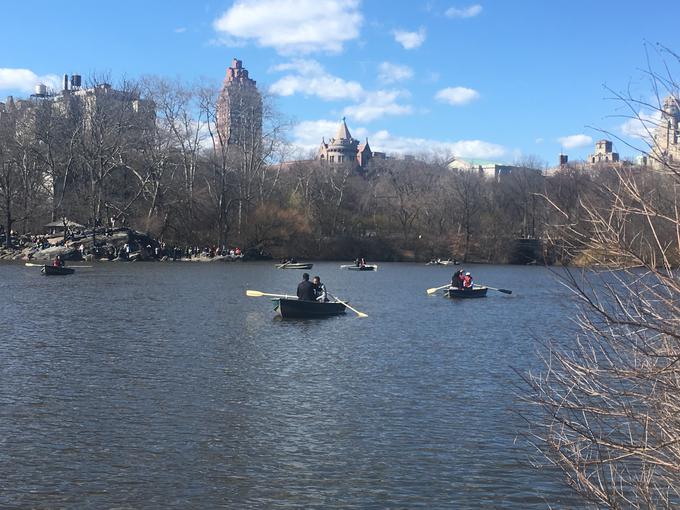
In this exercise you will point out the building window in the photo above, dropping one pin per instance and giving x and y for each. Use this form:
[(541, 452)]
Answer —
[(331, 159)]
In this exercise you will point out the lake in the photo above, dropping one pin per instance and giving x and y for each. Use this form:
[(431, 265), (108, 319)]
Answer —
[(161, 385)]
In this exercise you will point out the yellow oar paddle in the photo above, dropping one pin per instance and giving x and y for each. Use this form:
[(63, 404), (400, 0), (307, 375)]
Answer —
[(360, 314), (257, 293), (435, 289)]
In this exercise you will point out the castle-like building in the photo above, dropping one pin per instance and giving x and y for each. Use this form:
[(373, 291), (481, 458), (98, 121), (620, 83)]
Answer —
[(604, 153), (343, 149), (239, 109), (666, 142)]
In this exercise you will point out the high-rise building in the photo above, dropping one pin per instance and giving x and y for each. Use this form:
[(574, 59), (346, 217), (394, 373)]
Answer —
[(239, 109)]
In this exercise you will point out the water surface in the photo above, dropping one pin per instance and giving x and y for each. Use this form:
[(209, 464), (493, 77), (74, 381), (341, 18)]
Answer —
[(163, 386)]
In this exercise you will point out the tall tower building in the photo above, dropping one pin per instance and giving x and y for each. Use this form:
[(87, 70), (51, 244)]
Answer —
[(239, 109), (666, 145)]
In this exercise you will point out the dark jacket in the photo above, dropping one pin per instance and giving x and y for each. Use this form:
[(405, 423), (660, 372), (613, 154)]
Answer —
[(305, 291)]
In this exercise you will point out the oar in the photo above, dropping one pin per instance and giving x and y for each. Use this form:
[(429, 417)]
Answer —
[(360, 314), (257, 293), (435, 289), (504, 291), (31, 264), (80, 266)]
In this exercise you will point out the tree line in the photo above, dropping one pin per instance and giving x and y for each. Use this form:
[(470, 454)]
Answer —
[(149, 154)]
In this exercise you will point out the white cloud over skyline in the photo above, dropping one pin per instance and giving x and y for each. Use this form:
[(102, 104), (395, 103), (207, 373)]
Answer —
[(392, 73), (292, 26), (457, 96), (25, 80), (643, 127), (575, 141), (378, 104), (310, 78), (464, 12), (410, 40)]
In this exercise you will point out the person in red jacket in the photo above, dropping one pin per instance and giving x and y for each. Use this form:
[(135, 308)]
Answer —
[(467, 281)]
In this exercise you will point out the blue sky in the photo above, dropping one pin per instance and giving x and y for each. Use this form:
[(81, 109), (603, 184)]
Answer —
[(496, 80)]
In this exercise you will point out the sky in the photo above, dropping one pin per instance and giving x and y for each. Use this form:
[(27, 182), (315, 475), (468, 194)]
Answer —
[(495, 80)]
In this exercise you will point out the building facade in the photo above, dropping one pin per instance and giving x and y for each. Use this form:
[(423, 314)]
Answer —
[(239, 109), (603, 153), (343, 149), (666, 141)]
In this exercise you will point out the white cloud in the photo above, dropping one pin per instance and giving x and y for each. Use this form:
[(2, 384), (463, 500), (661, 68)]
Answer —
[(643, 126), (312, 79), (25, 80), (464, 12), (180, 30), (457, 95), (393, 73), (410, 40), (378, 104), (307, 137), (292, 26), (539, 140), (575, 141)]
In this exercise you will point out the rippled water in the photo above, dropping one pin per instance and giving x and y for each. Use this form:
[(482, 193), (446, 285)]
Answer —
[(163, 386)]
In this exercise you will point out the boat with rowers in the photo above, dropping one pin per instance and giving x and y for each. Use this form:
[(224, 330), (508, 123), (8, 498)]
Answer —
[(291, 308), (56, 270), (294, 265), (463, 293), (440, 262), (365, 267)]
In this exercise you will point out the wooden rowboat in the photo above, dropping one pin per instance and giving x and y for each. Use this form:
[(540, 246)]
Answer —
[(56, 271), (299, 309), (476, 292), (294, 266), (366, 267)]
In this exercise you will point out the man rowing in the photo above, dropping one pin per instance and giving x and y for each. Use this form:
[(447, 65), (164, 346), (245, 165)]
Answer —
[(305, 289)]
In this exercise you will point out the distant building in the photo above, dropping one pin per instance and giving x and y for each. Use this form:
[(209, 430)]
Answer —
[(603, 153), (666, 143), (488, 169), (343, 149), (239, 109)]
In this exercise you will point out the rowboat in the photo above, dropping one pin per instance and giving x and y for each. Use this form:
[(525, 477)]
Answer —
[(442, 263), (54, 271), (294, 266), (366, 267), (297, 309), (476, 292)]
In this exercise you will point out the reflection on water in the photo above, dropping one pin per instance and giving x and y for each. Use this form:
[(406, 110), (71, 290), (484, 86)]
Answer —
[(162, 385)]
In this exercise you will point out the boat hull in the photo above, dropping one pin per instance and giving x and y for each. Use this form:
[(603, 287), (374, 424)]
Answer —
[(295, 266), (361, 268), (56, 271), (477, 292), (298, 309)]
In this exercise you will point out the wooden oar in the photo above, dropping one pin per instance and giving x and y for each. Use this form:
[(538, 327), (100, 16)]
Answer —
[(80, 266), (435, 289), (257, 293), (360, 314), (504, 291), (31, 264)]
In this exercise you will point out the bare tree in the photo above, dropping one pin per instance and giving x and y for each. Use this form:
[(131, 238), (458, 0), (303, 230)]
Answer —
[(607, 405)]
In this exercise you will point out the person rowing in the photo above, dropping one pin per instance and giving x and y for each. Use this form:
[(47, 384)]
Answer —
[(305, 289), (457, 279), (319, 290)]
